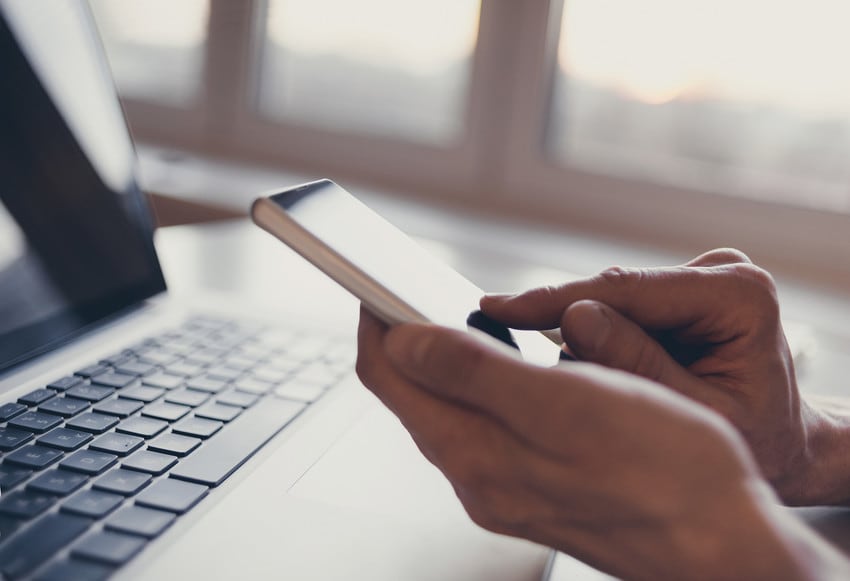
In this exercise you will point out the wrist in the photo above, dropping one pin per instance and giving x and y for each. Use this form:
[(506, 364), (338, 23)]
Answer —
[(824, 479), (748, 534)]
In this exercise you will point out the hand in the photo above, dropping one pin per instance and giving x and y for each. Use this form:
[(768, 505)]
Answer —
[(710, 330), (616, 470)]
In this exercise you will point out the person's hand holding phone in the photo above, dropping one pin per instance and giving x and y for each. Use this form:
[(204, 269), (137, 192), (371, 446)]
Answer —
[(709, 329), (609, 467)]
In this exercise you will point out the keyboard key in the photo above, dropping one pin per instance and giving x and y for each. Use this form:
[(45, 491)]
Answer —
[(112, 379), (90, 392), (37, 396), (172, 495), (174, 444), (64, 383), (299, 391), (25, 504), (89, 462), (222, 455), (239, 362), (144, 427), (65, 439), (92, 503), (120, 444), (145, 393), (10, 410), (150, 462), (206, 383), (270, 374), (92, 370), (136, 520), (198, 427), (223, 413), (66, 407), (35, 422), (8, 525), (124, 482), (237, 398), (118, 407), (166, 411), (138, 368), (188, 397), (34, 457), (94, 423), (59, 482), (108, 547), (76, 570), (163, 380), (254, 385), (185, 368), (158, 357), (224, 373), (10, 438), (11, 476), (117, 359), (33, 547)]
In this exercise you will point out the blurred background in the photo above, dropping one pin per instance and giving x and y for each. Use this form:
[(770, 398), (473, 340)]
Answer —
[(673, 124)]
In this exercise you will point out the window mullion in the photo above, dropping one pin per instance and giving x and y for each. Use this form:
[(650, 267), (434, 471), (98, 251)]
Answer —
[(508, 92), (228, 66)]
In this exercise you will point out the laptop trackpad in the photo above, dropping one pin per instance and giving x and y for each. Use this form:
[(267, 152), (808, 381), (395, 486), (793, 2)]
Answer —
[(376, 467), (376, 470)]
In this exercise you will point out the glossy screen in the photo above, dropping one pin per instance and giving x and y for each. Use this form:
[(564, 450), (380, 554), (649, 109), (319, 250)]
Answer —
[(393, 260), (75, 232)]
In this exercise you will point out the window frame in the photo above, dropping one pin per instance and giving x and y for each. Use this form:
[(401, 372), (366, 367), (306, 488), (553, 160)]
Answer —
[(500, 164)]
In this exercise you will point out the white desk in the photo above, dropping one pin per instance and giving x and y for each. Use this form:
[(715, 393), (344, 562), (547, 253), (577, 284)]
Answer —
[(237, 258)]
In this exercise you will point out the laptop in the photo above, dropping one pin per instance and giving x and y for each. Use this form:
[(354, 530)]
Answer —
[(143, 437)]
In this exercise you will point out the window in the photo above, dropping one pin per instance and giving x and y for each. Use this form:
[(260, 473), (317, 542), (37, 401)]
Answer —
[(685, 123), (749, 98), (154, 57), (381, 67)]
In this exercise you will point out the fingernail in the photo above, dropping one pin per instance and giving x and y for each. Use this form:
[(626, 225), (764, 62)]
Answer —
[(497, 298), (590, 327), (409, 344)]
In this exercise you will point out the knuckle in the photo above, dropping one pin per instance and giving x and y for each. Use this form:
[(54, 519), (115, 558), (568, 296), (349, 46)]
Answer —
[(755, 278), (754, 275), (728, 256), (619, 276), (760, 286)]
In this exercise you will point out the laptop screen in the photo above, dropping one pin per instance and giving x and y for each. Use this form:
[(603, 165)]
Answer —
[(76, 243)]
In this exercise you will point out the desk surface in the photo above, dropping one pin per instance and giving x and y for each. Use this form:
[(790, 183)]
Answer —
[(495, 258)]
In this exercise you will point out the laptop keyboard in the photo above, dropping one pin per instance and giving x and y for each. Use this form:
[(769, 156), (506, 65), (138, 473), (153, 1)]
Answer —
[(97, 463)]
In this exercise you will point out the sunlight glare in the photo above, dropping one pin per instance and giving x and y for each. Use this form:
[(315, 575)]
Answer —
[(786, 52), (422, 37)]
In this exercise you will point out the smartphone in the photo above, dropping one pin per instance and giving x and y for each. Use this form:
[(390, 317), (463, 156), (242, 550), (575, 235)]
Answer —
[(394, 277)]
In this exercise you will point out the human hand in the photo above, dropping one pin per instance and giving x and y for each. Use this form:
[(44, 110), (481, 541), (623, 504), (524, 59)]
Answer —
[(709, 329), (606, 466)]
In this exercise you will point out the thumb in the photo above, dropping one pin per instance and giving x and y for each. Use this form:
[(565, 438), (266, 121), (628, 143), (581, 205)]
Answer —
[(597, 333), (538, 308)]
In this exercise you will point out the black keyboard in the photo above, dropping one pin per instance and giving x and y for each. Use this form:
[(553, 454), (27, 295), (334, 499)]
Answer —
[(99, 462)]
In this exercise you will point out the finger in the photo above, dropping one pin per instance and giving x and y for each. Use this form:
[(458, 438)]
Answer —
[(720, 256), (481, 459), (441, 430), (656, 298), (380, 376), (540, 406), (594, 332)]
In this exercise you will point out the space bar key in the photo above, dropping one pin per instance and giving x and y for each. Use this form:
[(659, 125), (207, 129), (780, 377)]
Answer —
[(232, 446)]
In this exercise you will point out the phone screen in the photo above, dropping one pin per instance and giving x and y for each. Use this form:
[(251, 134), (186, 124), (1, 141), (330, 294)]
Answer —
[(354, 235)]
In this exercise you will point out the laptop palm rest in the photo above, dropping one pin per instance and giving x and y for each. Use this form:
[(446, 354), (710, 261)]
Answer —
[(370, 508)]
